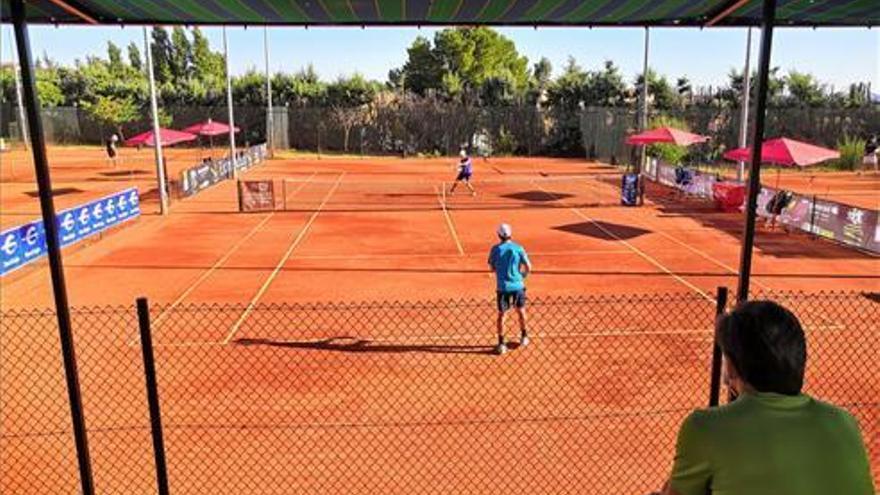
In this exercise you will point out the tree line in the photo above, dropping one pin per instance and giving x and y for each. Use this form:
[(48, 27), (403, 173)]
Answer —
[(470, 68)]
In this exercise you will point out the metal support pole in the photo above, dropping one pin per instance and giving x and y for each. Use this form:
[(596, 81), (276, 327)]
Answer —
[(744, 103), (813, 217), (143, 312), (229, 104), (157, 134), (643, 111), (754, 184), (715, 384), (22, 119), (56, 267), (270, 117)]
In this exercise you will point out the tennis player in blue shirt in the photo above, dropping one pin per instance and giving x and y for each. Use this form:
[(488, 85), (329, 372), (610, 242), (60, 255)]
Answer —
[(511, 265)]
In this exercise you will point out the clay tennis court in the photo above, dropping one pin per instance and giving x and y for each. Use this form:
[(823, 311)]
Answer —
[(341, 343), (380, 229)]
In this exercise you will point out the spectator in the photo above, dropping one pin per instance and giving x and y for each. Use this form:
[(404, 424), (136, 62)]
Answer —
[(773, 439), (871, 150), (111, 149)]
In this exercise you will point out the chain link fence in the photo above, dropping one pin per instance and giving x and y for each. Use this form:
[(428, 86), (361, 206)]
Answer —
[(402, 397), (74, 125), (408, 125)]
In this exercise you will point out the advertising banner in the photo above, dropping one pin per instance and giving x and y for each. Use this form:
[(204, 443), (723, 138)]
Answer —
[(256, 195), (211, 172), (26, 243)]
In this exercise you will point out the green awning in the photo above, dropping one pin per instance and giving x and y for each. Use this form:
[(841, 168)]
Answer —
[(449, 12)]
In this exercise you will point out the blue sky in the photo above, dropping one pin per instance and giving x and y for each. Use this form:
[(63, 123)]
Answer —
[(836, 56)]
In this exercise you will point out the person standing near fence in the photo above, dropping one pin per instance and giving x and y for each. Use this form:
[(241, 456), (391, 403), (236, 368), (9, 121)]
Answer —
[(871, 149), (773, 439), (511, 265), (111, 149)]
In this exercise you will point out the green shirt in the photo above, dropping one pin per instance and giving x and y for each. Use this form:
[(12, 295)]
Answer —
[(771, 444)]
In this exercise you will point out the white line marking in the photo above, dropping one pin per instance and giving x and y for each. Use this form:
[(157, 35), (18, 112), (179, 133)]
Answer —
[(206, 343), (198, 282), (441, 197), (636, 250), (430, 255), (287, 254), (699, 252), (284, 195), (212, 269)]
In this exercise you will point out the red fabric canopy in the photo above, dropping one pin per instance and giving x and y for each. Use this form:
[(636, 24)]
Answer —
[(209, 128), (666, 135), (169, 137), (785, 151)]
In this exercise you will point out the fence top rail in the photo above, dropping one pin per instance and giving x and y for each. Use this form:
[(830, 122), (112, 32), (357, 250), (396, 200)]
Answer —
[(449, 303)]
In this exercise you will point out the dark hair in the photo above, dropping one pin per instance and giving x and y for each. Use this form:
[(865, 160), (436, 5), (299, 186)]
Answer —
[(766, 345)]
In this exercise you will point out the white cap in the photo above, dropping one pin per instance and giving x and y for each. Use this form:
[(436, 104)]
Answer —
[(504, 230), (462, 154), (114, 138)]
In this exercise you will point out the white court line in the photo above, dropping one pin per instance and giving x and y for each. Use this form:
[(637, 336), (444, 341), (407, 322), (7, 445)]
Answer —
[(198, 282), (441, 197), (287, 254), (434, 255), (636, 250), (204, 276), (206, 343), (699, 252)]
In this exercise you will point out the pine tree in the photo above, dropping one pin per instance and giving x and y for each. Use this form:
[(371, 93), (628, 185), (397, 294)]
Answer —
[(134, 56)]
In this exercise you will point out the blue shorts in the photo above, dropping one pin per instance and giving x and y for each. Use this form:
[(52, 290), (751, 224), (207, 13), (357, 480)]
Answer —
[(507, 299), (463, 176)]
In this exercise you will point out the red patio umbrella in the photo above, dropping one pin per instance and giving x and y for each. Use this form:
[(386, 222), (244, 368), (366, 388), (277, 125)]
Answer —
[(209, 128), (785, 151), (168, 137), (666, 135)]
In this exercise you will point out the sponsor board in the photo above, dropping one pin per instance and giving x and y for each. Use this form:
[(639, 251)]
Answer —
[(26, 243)]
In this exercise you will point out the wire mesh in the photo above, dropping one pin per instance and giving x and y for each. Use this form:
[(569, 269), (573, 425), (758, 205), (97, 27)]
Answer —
[(581, 191), (397, 397)]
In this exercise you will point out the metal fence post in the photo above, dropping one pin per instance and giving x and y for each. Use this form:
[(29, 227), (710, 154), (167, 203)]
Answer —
[(715, 385), (34, 121), (143, 311), (813, 217), (240, 199)]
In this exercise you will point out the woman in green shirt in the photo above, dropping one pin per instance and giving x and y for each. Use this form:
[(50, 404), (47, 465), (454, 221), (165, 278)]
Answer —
[(772, 440)]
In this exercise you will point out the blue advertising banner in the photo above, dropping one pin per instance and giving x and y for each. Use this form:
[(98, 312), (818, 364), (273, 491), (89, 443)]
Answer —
[(23, 244)]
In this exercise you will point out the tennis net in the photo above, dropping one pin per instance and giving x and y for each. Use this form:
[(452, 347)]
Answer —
[(341, 194)]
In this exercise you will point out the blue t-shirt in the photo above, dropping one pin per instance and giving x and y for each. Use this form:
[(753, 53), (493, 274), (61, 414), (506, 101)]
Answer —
[(505, 258)]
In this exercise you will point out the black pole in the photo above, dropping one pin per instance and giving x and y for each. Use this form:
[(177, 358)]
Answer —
[(143, 311), (56, 268), (715, 385), (813, 218), (745, 263)]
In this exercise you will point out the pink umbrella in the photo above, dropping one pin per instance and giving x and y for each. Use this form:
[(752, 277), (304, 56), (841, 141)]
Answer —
[(785, 151), (168, 137), (666, 135), (209, 128)]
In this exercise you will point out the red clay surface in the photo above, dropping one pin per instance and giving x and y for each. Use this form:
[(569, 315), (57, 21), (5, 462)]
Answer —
[(394, 239), (326, 411)]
